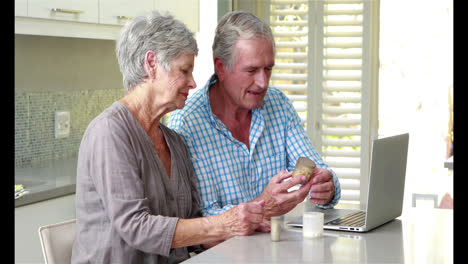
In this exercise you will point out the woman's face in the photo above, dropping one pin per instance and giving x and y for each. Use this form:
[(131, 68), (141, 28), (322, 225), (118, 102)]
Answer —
[(173, 86)]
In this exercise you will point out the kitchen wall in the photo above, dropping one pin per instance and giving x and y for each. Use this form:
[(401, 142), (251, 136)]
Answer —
[(51, 74)]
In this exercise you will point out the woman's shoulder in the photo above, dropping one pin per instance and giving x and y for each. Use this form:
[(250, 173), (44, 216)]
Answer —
[(111, 120)]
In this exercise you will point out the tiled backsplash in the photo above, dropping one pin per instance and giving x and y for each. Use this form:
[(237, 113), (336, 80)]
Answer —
[(52, 74), (35, 140)]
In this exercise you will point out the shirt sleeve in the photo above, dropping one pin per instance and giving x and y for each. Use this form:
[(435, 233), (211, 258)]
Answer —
[(114, 169), (298, 144)]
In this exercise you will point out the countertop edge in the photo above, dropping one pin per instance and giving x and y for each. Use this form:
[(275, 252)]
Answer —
[(45, 195)]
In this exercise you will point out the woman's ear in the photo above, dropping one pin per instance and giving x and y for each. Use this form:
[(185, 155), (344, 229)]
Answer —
[(150, 64)]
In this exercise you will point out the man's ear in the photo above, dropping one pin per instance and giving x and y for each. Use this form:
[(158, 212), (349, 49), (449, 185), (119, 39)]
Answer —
[(150, 64), (220, 68)]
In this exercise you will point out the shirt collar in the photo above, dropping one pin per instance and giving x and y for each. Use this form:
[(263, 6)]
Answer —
[(215, 121), (257, 113)]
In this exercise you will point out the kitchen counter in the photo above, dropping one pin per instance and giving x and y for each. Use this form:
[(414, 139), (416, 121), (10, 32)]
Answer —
[(46, 181), (420, 235)]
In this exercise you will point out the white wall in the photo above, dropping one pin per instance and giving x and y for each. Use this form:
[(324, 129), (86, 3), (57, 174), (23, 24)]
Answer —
[(204, 61)]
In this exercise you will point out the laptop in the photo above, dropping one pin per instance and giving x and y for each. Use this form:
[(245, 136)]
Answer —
[(385, 190)]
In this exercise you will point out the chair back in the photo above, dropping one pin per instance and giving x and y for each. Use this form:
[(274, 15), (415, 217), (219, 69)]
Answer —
[(57, 242)]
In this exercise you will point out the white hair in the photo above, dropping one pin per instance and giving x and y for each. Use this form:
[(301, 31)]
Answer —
[(166, 36), (237, 25)]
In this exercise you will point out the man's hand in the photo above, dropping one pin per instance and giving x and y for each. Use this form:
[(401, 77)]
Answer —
[(323, 187), (278, 200)]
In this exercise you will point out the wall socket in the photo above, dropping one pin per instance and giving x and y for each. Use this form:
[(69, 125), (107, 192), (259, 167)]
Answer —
[(62, 124)]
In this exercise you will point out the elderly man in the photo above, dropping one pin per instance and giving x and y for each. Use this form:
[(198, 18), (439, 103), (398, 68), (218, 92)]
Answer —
[(244, 136)]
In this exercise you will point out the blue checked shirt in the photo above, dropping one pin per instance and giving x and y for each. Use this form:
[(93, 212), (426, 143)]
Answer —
[(228, 172)]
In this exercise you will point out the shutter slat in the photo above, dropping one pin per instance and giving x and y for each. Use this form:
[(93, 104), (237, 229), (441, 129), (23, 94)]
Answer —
[(347, 173), (339, 121), (342, 23), (289, 76), (295, 66), (284, 2), (341, 110), (342, 153), (350, 195), (296, 55), (348, 12), (350, 184), (294, 97), (292, 87), (343, 164), (350, 45), (342, 142), (343, 56), (291, 44), (343, 1), (342, 132), (334, 88), (342, 99), (289, 34), (286, 12), (342, 77), (289, 23), (342, 66), (349, 34)]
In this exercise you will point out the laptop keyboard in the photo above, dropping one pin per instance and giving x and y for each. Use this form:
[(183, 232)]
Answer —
[(353, 219)]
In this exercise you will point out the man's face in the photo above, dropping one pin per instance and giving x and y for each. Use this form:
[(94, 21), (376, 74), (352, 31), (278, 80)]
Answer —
[(247, 84)]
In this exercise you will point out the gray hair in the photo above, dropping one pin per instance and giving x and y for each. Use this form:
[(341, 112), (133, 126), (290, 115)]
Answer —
[(166, 36), (237, 25)]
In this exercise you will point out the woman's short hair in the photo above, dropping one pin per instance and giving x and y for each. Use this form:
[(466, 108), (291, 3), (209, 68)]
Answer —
[(166, 36), (237, 25)]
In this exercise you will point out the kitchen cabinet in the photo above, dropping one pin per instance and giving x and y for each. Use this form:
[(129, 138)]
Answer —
[(117, 12), (68, 10), (187, 11), (21, 7), (94, 19)]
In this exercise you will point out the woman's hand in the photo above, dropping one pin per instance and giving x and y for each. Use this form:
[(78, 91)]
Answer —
[(243, 219)]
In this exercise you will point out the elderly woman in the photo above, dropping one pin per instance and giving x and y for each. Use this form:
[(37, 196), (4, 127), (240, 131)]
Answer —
[(136, 193)]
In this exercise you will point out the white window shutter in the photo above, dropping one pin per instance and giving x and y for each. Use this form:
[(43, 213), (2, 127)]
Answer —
[(323, 63)]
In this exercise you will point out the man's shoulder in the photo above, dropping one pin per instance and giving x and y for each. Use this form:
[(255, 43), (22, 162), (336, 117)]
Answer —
[(277, 99), (274, 94)]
